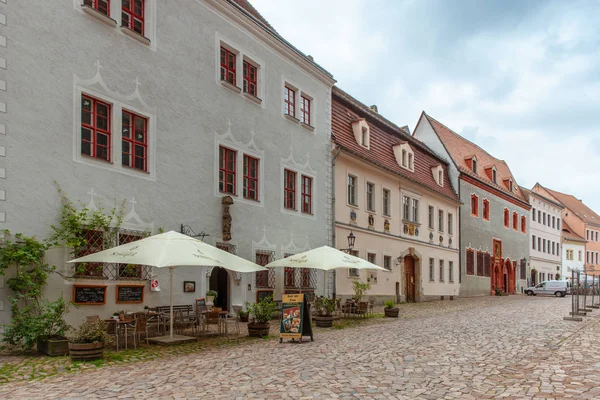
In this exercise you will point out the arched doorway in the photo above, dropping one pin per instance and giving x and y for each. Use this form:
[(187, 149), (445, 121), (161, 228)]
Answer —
[(533, 278), (409, 275), (219, 282)]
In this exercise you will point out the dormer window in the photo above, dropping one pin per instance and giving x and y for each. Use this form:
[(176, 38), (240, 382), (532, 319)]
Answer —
[(474, 163), (405, 156), (362, 132), (471, 162), (494, 175), (438, 174), (510, 185)]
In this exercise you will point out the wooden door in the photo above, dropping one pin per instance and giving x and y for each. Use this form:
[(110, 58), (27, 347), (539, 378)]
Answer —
[(409, 268)]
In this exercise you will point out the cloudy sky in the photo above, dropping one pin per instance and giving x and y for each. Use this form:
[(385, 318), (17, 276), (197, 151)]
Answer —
[(519, 78)]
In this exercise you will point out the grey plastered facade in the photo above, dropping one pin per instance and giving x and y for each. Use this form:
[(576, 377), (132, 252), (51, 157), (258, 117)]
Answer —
[(56, 51), (479, 234)]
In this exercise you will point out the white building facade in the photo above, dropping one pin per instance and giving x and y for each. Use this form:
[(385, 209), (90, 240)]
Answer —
[(573, 251), (168, 108), (545, 244)]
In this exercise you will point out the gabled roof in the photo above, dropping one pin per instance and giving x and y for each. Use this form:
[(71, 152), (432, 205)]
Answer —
[(528, 193), (461, 149), (576, 206), (384, 135), (249, 8), (570, 234)]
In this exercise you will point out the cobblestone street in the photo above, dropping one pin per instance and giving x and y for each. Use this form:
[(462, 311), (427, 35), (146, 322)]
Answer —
[(513, 347)]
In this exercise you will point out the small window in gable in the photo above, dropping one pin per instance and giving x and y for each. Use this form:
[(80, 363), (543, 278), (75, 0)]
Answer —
[(438, 175), (510, 185), (405, 156), (494, 175), (362, 132), (474, 164)]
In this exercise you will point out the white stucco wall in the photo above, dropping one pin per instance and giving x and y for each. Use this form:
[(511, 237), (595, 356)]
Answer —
[(544, 262), (577, 263), (57, 51)]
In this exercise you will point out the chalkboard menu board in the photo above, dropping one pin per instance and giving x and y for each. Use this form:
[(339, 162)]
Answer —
[(89, 294), (130, 293), (200, 304)]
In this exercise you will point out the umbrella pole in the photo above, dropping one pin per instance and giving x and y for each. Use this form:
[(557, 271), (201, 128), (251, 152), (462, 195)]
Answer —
[(171, 298)]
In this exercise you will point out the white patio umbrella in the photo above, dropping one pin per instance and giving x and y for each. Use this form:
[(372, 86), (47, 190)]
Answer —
[(171, 249), (324, 258)]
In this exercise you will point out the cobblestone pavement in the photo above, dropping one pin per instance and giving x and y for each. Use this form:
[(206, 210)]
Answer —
[(512, 347)]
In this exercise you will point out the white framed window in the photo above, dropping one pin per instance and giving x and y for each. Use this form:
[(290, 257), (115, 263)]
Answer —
[(112, 134), (299, 190), (386, 199), (362, 132), (441, 270), (450, 271), (387, 262), (352, 198), (438, 175), (450, 224), (415, 210), (431, 270), (298, 106), (404, 155), (372, 258), (441, 220), (406, 208), (370, 196), (431, 217)]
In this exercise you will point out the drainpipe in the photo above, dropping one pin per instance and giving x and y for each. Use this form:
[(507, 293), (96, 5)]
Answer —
[(336, 152)]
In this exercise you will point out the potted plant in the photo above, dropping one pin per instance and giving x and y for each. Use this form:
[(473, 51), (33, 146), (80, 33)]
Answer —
[(211, 295), (325, 307), (51, 328), (88, 341), (116, 315), (360, 289), (261, 312), (243, 314), (391, 311)]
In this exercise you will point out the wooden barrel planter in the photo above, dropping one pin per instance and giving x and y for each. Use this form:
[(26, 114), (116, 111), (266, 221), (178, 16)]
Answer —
[(86, 351), (323, 321), (258, 330), (391, 312), (54, 346)]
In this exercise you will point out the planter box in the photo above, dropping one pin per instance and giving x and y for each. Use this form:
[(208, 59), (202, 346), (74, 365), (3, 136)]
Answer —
[(56, 346), (86, 351), (323, 321), (244, 319), (258, 330), (391, 312)]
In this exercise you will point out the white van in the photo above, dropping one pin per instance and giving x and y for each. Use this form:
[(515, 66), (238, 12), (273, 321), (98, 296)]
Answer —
[(557, 288)]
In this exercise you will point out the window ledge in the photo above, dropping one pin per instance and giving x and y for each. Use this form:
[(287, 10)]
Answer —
[(405, 221), (231, 86), (252, 97), (293, 119), (135, 35), (92, 12), (306, 126)]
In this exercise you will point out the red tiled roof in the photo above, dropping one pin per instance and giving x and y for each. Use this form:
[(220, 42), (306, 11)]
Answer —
[(577, 206), (249, 8), (528, 194), (383, 136), (461, 149), (570, 234)]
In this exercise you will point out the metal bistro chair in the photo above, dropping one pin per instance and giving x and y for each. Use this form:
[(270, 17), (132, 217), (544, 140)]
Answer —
[(363, 308), (234, 323), (111, 330), (371, 306), (141, 328)]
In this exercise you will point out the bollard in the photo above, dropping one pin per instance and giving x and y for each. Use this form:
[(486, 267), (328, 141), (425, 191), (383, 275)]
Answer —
[(593, 289), (574, 314)]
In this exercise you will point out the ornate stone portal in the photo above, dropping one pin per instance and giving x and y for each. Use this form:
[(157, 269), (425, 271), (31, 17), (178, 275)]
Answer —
[(226, 202)]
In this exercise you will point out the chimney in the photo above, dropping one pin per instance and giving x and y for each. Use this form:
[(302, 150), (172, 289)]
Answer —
[(374, 108), (310, 58)]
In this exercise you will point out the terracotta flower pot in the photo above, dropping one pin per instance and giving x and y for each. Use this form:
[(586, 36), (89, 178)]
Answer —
[(258, 330), (323, 321), (391, 312), (86, 351)]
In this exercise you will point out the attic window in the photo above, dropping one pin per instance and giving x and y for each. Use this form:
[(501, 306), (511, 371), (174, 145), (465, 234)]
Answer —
[(474, 164), (494, 175), (405, 156), (510, 185), (438, 175), (362, 132)]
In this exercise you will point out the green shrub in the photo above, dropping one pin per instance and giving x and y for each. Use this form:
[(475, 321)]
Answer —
[(389, 304)]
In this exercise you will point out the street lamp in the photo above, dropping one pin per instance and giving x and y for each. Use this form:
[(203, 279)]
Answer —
[(351, 239)]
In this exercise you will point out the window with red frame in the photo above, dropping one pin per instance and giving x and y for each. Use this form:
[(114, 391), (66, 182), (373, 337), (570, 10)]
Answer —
[(470, 262), (506, 218), (94, 242), (305, 110), (250, 177), (102, 6), (305, 278), (227, 170), (486, 210), (132, 15), (289, 277), (262, 277), (290, 189), (134, 141), (227, 66), (289, 102), (125, 270), (250, 78), (306, 194), (515, 221), (474, 205), (95, 128), (523, 224)]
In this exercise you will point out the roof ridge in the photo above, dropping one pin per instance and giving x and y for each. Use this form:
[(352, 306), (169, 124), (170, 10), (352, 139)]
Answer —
[(246, 5), (401, 133), (465, 139)]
